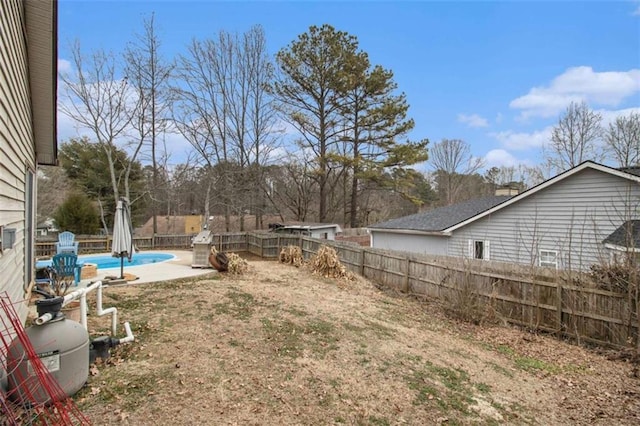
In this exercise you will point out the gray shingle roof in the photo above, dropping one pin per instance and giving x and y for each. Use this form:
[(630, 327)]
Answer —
[(444, 217), (627, 235)]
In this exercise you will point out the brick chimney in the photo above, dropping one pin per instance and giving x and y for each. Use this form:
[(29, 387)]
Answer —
[(507, 190)]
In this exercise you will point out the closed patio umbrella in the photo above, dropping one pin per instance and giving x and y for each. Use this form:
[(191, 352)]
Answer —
[(122, 245)]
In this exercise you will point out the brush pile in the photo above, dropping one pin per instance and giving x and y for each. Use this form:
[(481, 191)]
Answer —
[(291, 255), (237, 265), (327, 263)]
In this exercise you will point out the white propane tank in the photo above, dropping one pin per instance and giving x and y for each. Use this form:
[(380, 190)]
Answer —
[(63, 347)]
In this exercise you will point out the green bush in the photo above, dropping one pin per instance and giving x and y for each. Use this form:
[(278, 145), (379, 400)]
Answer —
[(78, 215)]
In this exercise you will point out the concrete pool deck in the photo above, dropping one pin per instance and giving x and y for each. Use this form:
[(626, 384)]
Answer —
[(179, 267)]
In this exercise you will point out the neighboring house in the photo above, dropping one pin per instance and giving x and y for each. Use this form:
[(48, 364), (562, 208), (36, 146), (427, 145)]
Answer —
[(28, 64), (46, 227), (624, 242), (566, 222), (322, 231)]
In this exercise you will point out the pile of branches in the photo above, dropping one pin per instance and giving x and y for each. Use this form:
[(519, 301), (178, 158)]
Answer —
[(291, 255), (237, 265), (327, 263)]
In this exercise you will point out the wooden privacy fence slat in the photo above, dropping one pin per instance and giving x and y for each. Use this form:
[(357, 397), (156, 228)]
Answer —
[(537, 302)]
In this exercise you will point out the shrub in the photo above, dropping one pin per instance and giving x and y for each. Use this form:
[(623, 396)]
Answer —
[(78, 215)]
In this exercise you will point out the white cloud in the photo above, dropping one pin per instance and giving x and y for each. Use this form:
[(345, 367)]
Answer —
[(522, 141), (64, 66), (636, 12), (499, 118), (577, 84), (473, 120), (500, 157), (66, 128), (610, 116)]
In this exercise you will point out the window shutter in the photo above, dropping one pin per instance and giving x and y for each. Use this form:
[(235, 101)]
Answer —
[(470, 251), (487, 251)]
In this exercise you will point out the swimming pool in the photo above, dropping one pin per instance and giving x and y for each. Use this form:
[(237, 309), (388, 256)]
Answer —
[(106, 261)]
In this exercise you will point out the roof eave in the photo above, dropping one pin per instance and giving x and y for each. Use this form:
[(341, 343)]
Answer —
[(41, 26), (617, 247), (411, 232)]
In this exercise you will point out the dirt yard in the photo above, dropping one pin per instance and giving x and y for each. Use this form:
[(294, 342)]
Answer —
[(281, 346)]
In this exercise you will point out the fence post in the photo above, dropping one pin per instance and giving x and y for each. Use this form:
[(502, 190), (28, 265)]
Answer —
[(405, 285), (559, 307), (262, 248), (363, 251)]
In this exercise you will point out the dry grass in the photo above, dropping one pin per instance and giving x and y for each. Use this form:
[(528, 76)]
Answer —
[(278, 345)]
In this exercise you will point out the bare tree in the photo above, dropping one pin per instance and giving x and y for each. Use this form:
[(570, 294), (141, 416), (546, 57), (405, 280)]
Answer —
[(622, 140), (224, 110), (149, 76), (520, 176), (574, 139), (199, 111), (253, 116), (453, 160), (291, 188), (97, 100)]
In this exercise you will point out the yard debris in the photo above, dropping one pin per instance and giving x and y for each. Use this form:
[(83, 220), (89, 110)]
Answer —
[(292, 255), (237, 265), (327, 263), (219, 261)]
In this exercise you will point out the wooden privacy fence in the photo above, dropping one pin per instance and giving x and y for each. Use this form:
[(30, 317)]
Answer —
[(102, 244), (581, 313)]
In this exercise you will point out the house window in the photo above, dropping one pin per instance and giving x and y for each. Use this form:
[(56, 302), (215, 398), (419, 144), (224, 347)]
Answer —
[(479, 249), (549, 258)]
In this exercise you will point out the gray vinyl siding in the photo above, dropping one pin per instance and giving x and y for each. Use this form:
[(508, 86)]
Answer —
[(17, 153), (571, 217), (426, 244)]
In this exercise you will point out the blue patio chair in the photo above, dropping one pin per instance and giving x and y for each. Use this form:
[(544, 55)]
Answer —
[(66, 243), (66, 269)]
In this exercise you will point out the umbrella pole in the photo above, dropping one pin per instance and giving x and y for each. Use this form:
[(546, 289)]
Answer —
[(121, 267)]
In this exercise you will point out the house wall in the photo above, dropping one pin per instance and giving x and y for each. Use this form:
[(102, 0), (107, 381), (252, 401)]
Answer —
[(17, 155), (427, 244), (319, 233), (571, 217)]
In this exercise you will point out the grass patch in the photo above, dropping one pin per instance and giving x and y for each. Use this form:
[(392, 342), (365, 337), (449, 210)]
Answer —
[(379, 421), (291, 339), (297, 312), (240, 305), (124, 302), (378, 329), (533, 364), (483, 387), (454, 379), (505, 350), (500, 369), (527, 363), (449, 390), (130, 391)]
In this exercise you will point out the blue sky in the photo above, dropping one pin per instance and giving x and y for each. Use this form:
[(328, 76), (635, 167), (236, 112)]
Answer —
[(495, 74)]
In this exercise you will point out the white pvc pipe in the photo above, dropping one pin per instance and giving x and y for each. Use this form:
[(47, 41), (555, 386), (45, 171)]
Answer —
[(129, 337), (82, 294), (44, 318)]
